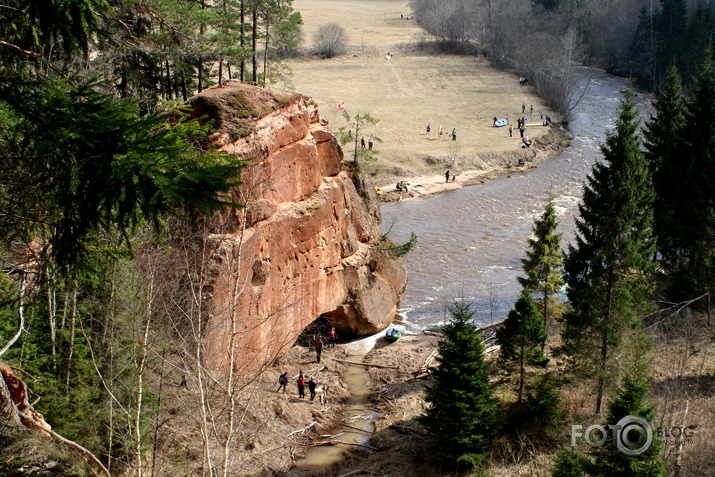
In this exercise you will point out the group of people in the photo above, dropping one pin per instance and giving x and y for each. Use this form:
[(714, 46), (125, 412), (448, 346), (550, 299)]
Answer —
[(318, 343), (447, 176), (402, 186), (301, 382), (521, 125), (388, 56), (440, 133), (369, 143)]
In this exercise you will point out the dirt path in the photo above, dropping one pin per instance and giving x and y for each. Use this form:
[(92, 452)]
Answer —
[(415, 88)]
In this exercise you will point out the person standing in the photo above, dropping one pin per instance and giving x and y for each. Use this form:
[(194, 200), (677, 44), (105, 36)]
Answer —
[(511, 130), (369, 144), (454, 134), (531, 110), (429, 128), (332, 338), (441, 131), (446, 176), (362, 142), (301, 385), (521, 131), (282, 382), (523, 108), (318, 349), (311, 387)]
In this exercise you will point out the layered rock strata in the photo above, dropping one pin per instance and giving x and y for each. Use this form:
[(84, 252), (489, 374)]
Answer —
[(306, 242)]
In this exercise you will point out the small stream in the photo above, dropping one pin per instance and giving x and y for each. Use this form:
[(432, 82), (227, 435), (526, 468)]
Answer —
[(357, 414)]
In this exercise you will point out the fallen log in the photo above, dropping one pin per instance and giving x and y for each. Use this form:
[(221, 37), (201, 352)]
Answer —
[(305, 429), (355, 428), (496, 323), (358, 363)]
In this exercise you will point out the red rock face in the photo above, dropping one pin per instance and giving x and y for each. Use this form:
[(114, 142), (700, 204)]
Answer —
[(305, 244)]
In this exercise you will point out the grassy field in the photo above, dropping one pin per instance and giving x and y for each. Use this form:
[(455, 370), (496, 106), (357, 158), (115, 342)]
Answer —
[(412, 90)]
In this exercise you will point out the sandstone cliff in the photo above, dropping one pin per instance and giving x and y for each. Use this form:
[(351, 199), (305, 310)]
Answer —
[(305, 244)]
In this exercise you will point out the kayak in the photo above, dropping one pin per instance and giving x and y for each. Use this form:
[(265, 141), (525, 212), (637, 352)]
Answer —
[(393, 334), (530, 125)]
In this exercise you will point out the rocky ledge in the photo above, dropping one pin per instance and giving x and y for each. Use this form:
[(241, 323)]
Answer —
[(305, 245)]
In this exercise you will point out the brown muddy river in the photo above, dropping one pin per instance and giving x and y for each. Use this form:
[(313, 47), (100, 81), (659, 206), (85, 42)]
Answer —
[(471, 241)]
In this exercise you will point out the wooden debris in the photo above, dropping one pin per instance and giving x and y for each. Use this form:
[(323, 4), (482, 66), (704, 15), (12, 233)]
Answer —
[(355, 428), (304, 430), (495, 324)]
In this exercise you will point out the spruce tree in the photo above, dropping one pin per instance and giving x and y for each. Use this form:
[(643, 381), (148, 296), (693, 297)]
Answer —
[(664, 145), (544, 262), (696, 212), (460, 417), (521, 337), (570, 463), (699, 38), (643, 50), (631, 399), (670, 24), (608, 269)]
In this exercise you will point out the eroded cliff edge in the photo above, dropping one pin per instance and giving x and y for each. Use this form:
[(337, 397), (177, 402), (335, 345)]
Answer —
[(305, 244)]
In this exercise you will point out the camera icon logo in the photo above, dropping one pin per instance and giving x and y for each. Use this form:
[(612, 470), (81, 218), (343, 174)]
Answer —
[(633, 435)]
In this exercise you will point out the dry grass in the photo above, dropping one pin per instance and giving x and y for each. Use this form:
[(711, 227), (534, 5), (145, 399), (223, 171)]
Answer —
[(684, 390), (411, 90)]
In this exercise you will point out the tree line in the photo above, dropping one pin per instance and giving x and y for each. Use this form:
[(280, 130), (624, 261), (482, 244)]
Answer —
[(645, 239), (542, 40)]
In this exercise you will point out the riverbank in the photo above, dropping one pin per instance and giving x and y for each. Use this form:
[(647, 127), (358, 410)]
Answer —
[(466, 173)]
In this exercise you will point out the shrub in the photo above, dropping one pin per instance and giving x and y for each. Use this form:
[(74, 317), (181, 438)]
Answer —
[(330, 40)]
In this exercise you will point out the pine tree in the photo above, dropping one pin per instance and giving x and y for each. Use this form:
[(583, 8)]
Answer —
[(460, 418), (544, 262), (609, 268), (521, 337), (631, 399)]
